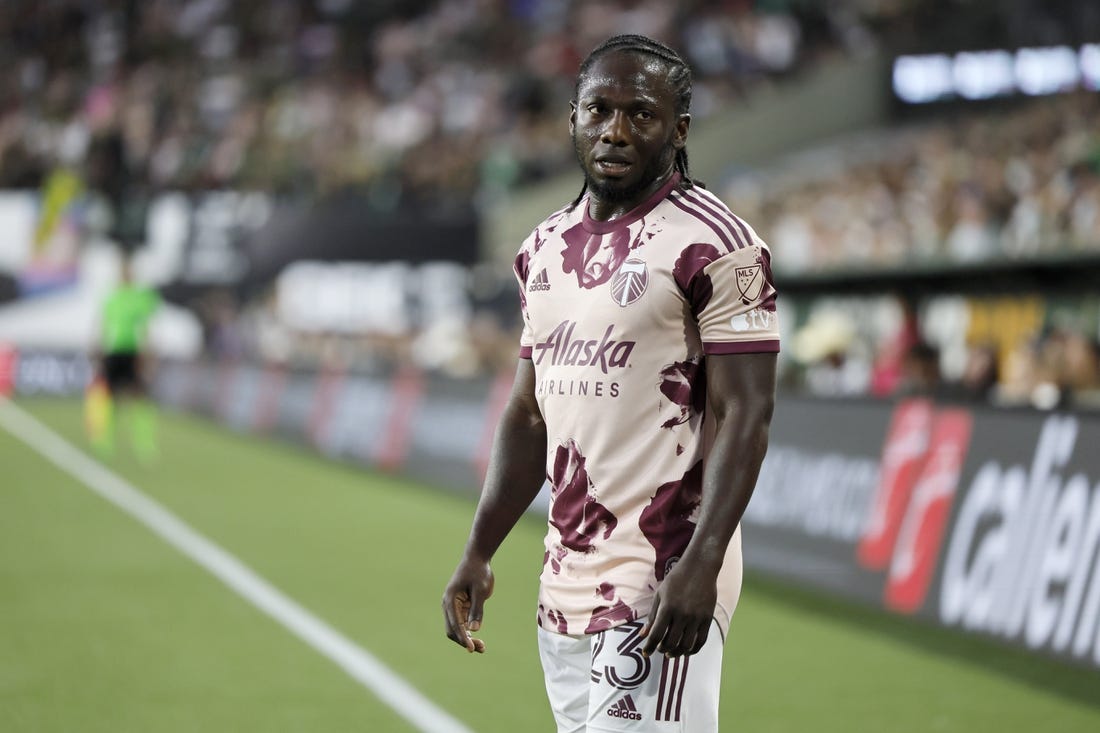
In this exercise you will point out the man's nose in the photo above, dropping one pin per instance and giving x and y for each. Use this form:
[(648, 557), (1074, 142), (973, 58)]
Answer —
[(616, 129)]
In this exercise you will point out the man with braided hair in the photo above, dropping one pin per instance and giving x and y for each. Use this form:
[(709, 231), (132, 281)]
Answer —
[(643, 394)]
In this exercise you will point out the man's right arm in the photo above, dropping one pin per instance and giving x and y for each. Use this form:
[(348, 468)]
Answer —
[(517, 470)]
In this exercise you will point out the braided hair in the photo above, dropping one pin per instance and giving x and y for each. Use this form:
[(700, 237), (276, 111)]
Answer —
[(679, 78)]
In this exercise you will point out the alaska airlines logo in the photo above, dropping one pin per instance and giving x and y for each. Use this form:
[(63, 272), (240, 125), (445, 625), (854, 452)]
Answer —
[(564, 350)]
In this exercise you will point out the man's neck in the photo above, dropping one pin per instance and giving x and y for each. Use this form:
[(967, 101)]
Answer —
[(602, 210)]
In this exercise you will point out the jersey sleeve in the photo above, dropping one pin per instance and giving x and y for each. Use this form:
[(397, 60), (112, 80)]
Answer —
[(735, 302), (521, 268)]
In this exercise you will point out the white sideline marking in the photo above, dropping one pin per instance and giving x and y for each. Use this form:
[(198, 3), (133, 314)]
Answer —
[(402, 697)]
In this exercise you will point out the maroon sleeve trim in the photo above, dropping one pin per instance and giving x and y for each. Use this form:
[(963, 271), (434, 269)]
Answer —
[(525, 352), (770, 346)]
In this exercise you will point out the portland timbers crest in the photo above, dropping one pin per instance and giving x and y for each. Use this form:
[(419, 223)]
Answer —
[(629, 282)]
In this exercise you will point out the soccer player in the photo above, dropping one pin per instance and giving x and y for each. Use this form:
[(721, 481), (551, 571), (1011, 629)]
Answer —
[(125, 318), (644, 392)]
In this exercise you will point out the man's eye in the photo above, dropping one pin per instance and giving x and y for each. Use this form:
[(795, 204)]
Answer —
[(644, 114), (594, 109)]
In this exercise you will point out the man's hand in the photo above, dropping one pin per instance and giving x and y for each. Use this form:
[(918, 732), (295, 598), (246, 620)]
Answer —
[(464, 603), (682, 610)]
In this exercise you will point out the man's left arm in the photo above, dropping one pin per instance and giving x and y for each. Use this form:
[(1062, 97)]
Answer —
[(741, 396)]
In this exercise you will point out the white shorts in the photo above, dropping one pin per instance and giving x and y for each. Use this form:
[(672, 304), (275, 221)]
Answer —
[(603, 683)]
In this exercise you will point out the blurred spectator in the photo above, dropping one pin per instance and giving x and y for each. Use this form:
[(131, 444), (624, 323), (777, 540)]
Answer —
[(221, 325), (921, 371), (1068, 368), (980, 375), (824, 348), (888, 369)]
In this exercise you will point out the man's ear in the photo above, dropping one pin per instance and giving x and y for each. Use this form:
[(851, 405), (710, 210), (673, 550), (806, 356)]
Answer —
[(679, 138), (572, 117)]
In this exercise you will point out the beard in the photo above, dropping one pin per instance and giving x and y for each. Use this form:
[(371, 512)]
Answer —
[(616, 192)]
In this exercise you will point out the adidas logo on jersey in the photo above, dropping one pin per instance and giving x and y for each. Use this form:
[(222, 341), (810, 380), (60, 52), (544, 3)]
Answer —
[(624, 708), (540, 282)]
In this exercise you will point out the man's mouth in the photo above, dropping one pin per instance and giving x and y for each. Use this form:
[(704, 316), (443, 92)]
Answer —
[(612, 166)]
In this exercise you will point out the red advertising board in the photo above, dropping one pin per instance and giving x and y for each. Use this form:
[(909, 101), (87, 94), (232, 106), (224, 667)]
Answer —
[(8, 363)]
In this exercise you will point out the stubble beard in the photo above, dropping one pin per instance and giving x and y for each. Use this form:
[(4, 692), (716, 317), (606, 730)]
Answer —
[(611, 193)]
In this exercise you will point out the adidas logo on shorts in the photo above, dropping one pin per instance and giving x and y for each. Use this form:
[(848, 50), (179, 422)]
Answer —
[(624, 708), (541, 282)]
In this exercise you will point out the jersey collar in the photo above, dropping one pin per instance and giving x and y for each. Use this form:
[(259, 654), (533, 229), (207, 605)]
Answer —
[(603, 227)]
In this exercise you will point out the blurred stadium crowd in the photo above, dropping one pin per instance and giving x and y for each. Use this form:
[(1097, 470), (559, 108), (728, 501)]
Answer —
[(425, 101), (1010, 183), (427, 105), (1007, 351)]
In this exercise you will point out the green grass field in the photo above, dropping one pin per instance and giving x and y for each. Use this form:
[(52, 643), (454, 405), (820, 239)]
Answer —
[(104, 627)]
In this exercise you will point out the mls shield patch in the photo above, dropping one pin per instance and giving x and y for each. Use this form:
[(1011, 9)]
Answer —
[(750, 281)]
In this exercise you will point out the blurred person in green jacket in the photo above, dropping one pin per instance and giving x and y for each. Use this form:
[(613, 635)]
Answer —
[(121, 384)]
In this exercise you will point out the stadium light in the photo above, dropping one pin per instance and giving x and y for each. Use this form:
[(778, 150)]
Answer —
[(919, 79), (1090, 65), (976, 75), (983, 74), (1047, 70)]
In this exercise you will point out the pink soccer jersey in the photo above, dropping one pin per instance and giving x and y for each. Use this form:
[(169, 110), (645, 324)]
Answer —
[(618, 317)]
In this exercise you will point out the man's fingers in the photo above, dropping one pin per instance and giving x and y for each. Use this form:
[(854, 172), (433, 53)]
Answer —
[(477, 609), (652, 615), (654, 630), (457, 612), (462, 615), (673, 635), (700, 638), (450, 623), (688, 641), (455, 632), (674, 632)]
